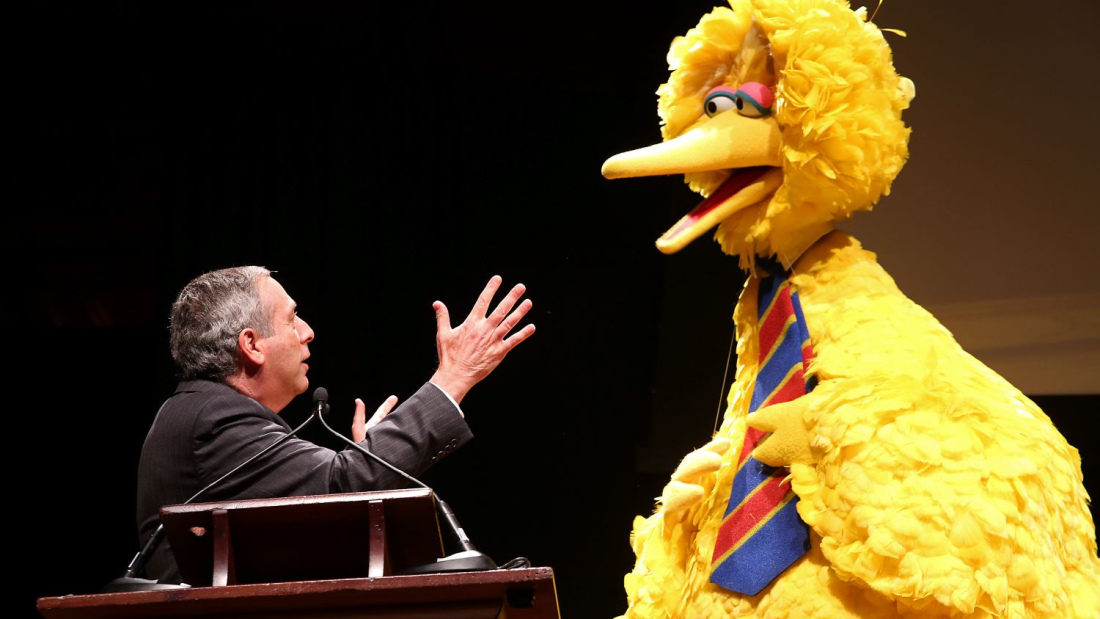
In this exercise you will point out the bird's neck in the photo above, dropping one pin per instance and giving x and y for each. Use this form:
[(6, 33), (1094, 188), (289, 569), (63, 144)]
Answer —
[(785, 255)]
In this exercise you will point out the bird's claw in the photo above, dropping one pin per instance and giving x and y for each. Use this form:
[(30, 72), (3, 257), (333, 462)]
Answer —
[(685, 489), (789, 437)]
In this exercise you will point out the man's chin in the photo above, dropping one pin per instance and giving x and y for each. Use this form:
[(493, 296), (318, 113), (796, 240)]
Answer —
[(302, 385)]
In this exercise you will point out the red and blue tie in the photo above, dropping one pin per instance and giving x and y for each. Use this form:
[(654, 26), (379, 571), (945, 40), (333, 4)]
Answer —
[(761, 534)]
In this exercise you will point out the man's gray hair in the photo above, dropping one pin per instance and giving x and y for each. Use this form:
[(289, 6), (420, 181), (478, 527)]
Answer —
[(209, 314)]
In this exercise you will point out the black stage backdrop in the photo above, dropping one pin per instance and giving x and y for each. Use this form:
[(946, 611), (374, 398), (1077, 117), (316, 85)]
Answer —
[(378, 159)]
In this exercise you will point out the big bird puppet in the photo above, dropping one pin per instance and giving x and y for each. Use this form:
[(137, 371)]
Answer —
[(866, 466)]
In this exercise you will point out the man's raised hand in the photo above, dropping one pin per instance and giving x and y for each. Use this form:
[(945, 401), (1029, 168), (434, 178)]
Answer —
[(473, 349)]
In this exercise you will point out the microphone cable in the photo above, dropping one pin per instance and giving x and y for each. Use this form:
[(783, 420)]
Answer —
[(478, 559), (323, 408)]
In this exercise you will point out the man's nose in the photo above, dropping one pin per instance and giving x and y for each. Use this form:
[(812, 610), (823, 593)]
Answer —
[(305, 332)]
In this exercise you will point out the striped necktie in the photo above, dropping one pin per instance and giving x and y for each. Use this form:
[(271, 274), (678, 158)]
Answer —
[(761, 534)]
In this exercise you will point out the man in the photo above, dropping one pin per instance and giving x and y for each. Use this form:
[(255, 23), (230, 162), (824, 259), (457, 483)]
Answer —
[(241, 351)]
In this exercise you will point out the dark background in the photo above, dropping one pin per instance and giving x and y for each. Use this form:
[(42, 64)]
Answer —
[(378, 159)]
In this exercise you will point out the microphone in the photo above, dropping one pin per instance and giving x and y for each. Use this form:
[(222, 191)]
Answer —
[(468, 559), (132, 579), (320, 400)]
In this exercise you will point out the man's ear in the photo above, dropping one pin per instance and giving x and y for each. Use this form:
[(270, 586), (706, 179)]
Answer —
[(248, 344)]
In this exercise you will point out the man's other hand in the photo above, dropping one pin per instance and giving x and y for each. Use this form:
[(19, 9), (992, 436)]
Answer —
[(359, 422), (473, 349)]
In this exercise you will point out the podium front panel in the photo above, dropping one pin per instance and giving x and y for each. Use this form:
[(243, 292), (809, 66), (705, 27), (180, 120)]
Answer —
[(303, 538)]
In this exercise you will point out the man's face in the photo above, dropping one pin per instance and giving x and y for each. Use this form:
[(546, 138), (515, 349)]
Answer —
[(287, 348)]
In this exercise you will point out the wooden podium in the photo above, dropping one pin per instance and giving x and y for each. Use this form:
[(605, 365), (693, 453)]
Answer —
[(328, 556)]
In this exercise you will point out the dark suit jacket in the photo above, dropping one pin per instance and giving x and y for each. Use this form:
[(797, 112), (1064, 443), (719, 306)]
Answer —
[(206, 429)]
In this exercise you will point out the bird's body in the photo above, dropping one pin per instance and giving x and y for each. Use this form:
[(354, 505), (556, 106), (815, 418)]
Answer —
[(937, 489), (930, 485)]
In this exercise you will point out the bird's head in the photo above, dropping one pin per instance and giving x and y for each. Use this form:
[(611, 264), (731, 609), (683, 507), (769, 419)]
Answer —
[(785, 115)]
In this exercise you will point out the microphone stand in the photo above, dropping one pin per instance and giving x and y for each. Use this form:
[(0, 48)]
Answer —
[(468, 559)]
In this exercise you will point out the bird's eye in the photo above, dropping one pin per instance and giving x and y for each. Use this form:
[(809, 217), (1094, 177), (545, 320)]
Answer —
[(753, 99), (719, 100)]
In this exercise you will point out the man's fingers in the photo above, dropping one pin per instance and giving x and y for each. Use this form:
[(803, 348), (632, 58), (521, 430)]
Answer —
[(518, 337), (513, 319), (482, 304), (382, 411), (442, 317), (360, 412), (387, 406), (507, 303), (358, 426)]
